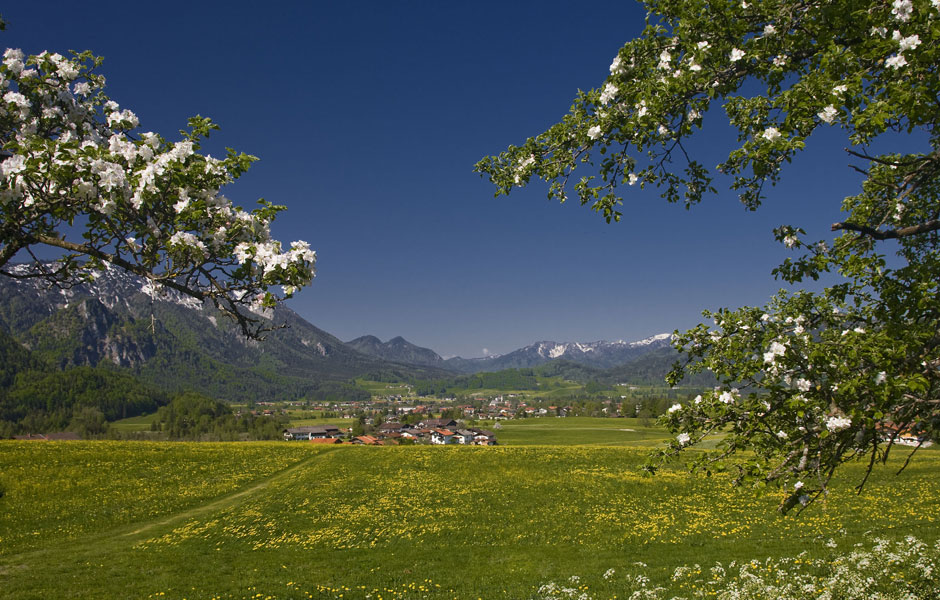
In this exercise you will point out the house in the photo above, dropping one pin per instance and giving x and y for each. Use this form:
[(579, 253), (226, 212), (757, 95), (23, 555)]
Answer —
[(412, 433), (463, 436), (482, 437), (390, 427), (365, 440), (442, 436), (438, 423), (312, 432), (326, 441)]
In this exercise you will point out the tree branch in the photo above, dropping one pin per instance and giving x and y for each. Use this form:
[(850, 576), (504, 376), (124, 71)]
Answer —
[(889, 234), (120, 262)]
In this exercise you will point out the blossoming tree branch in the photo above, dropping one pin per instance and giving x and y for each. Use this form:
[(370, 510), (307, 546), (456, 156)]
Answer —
[(76, 176), (812, 379)]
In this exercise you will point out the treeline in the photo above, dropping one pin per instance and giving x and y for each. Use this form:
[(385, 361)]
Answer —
[(38, 399), (192, 416)]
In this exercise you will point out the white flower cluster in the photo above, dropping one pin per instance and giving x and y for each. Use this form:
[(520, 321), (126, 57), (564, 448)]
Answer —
[(70, 153), (835, 424)]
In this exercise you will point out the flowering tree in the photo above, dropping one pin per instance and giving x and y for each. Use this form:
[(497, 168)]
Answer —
[(75, 176), (811, 380)]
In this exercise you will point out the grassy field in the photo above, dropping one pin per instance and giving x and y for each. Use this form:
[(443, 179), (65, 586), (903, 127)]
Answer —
[(576, 431), (286, 521), (138, 423)]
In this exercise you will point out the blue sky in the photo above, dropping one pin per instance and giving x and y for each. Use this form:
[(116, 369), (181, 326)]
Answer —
[(368, 118)]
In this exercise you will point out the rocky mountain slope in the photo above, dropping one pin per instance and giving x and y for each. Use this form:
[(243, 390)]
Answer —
[(177, 343)]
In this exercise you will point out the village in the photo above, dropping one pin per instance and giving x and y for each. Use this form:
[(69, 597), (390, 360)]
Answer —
[(439, 431)]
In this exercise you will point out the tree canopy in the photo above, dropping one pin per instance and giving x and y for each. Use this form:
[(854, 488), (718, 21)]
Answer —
[(77, 176), (812, 379)]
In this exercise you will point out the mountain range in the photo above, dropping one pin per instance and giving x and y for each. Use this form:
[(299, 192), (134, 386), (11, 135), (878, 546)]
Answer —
[(176, 343), (600, 355)]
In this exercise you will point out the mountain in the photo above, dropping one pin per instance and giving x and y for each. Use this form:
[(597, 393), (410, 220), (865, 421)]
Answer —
[(600, 355), (177, 343), (398, 350)]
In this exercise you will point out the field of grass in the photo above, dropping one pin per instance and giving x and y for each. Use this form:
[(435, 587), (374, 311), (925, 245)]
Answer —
[(576, 431), (289, 520), (138, 423)]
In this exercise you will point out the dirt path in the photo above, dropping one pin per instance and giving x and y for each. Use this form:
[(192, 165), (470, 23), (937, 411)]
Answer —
[(227, 500), (93, 541)]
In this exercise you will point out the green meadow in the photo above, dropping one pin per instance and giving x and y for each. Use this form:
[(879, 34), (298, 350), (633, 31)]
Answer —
[(291, 520)]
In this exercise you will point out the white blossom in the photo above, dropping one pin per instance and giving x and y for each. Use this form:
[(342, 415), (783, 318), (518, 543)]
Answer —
[(610, 90), (616, 67), (736, 55), (771, 134), (664, 58), (908, 43), (901, 9), (835, 424), (683, 439), (594, 132), (769, 29), (881, 377), (776, 349), (828, 114), (674, 408), (782, 434), (632, 178), (896, 62), (11, 166), (803, 385)]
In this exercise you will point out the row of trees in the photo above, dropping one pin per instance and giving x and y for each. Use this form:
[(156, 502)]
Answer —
[(192, 416)]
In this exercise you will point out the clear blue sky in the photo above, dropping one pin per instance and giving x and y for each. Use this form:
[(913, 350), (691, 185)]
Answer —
[(368, 118)]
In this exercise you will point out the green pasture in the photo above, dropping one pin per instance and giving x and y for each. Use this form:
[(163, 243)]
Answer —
[(287, 521), (576, 431), (383, 388), (132, 424)]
